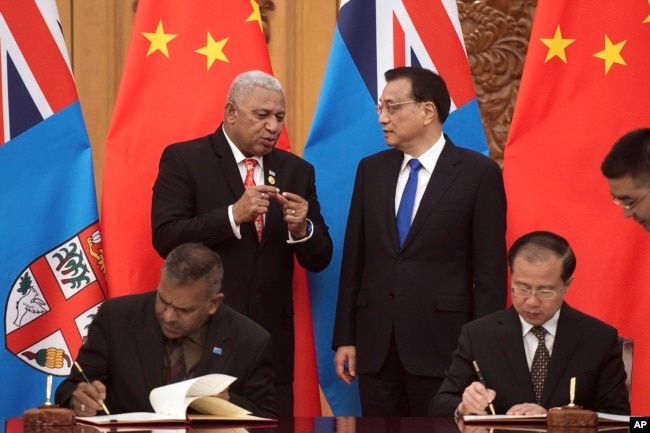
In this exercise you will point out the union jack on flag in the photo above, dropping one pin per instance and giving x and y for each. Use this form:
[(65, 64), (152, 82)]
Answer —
[(34, 86), (408, 33), (51, 257)]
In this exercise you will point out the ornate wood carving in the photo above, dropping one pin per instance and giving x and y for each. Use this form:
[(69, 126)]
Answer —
[(266, 7), (496, 36)]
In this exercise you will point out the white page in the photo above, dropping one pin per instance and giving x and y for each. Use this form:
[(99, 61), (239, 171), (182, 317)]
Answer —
[(129, 417), (173, 399)]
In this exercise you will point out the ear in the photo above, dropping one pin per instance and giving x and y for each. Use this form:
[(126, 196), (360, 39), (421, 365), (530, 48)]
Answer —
[(230, 112), (215, 302), (430, 112)]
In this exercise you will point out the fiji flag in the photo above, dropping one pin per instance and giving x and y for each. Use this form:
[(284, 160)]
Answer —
[(51, 258), (371, 37)]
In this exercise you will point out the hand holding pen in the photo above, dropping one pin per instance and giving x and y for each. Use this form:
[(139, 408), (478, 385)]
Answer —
[(92, 391), (480, 378)]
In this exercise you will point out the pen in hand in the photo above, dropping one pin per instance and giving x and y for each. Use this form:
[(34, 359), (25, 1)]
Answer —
[(76, 364), (480, 378)]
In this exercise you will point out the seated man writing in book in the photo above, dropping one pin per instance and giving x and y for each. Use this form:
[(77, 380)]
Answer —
[(183, 330), (528, 353)]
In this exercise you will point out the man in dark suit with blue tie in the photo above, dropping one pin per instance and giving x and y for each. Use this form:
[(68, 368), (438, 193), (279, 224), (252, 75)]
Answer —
[(424, 251)]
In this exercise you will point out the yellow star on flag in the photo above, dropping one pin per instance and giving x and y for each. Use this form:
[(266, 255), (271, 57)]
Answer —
[(647, 19), (159, 40), (556, 45), (611, 54), (256, 15), (213, 50)]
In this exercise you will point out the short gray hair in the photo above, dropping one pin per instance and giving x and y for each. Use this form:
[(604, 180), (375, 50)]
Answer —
[(192, 262), (243, 85)]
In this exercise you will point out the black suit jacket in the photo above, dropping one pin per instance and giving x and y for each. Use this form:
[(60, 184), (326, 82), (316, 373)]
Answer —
[(197, 181), (125, 350), (584, 348), (451, 269)]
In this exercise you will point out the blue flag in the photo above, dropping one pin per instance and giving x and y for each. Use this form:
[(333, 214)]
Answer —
[(371, 37), (51, 260)]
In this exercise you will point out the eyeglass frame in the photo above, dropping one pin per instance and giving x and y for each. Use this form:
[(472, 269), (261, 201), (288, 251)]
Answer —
[(628, 207), (390, 107), (547, 294)]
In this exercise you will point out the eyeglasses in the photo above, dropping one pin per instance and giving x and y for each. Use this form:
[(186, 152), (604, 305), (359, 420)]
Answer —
[(391, 107), (542, 294), (618, 202)]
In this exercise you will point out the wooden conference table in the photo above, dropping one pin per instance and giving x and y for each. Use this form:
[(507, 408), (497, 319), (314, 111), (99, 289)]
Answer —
[(319, 425)]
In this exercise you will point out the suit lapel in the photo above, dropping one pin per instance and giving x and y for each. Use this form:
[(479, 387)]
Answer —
[(385, 181), (566, 340), (511, 343), (230, 171), (217, 348), (150, 349), (227, 164), (443, 176), (274, 175)]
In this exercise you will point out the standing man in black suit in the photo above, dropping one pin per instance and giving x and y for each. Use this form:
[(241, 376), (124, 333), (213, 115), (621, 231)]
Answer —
[(130, 343), (200, 195), (507, 345), (402, 303)]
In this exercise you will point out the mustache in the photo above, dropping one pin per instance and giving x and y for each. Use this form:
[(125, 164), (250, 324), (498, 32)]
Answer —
[(174, 325)]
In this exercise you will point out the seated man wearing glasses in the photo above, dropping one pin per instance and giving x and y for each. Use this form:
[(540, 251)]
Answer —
[(517, 375), (627, 169)]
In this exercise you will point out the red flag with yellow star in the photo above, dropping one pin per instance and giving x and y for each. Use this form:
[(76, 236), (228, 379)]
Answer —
[(585, 83), (181, 60)]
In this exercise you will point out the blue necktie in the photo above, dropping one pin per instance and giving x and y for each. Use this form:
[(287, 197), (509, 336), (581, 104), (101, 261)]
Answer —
[(405, 210)]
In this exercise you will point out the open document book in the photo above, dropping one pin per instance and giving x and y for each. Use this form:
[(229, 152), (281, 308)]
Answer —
[(172, 402)]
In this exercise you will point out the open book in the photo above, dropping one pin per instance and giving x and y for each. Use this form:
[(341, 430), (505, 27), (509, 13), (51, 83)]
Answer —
[(171, 403), (485, 419)]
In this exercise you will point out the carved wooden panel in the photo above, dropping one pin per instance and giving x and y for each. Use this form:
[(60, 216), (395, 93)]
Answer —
[(496, 36)]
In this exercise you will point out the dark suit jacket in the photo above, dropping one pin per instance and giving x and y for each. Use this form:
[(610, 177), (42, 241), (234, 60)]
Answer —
[(196, 183), (451, 269), (584, 348), (125, 351)]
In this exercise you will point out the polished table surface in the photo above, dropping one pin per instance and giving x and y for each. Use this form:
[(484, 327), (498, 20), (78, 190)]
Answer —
[(321, 425)]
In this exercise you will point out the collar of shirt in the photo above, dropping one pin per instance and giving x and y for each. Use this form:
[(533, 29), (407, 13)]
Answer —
[(530, 341), (193, 347), (239, 159), (428, 159)]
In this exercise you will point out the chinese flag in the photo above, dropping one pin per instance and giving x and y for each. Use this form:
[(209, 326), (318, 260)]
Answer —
[(585, 83), (181, 60)]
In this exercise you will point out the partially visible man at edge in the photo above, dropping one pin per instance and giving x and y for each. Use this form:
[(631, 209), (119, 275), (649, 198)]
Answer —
[(627, 169), (204, 193), (130, 343)]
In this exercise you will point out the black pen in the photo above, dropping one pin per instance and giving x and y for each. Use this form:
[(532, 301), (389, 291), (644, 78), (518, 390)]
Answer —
[(76, 364), (480, 378)]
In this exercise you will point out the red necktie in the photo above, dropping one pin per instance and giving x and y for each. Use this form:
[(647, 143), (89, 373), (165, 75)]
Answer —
[(250, 181)]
